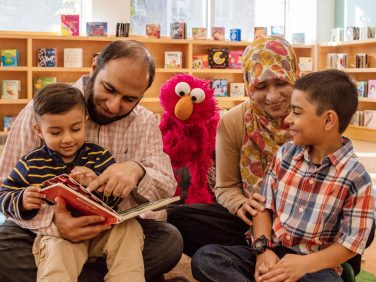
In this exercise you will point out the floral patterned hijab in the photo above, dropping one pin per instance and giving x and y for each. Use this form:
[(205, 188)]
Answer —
[(265, 58)]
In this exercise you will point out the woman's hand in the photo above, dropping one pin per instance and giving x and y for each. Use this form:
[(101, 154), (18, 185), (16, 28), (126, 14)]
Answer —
[(250, 208)]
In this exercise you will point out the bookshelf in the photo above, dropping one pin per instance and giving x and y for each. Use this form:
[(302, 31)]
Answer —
[(351, 48), (28, 70)]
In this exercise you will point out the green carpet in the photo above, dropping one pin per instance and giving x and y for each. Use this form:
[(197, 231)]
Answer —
[(364, 276)]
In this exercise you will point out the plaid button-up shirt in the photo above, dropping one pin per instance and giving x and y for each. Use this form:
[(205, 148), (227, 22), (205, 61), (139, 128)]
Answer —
[(134, 138), (314, 206)]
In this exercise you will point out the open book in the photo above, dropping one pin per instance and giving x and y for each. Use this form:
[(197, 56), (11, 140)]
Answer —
[(83, 202)]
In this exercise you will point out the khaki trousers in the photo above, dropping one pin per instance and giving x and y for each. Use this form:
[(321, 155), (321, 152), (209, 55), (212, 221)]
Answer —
[(60, 260)]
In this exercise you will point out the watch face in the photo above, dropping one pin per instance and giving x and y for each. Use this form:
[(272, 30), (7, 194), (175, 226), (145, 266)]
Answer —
[(259, 244)]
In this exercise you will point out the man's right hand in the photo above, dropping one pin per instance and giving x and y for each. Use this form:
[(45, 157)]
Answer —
[(77, 229), (251, 207)]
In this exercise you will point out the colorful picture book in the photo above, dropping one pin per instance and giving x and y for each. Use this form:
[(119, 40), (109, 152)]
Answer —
[(218, 58), (96, 28), (235, 34), (178, 30), (277, 30), (83, 202), (234, 59), (47, 57), (371, 93), (298, 38), (73, 57), (220, 87), (153, 30), (199, 33), (173, 60), (8, 122), (237, 89), (40, 82), (218, 33), (361, 87), (200, 62), (70, 25), (259, 31), (11, 89), (9, 57), (306, 63)]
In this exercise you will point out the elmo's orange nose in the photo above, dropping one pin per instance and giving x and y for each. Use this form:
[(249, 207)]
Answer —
[(184, 108)]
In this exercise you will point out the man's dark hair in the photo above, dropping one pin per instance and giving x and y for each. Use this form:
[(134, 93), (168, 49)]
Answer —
[(58, 98), (331, 90), (126, 49)]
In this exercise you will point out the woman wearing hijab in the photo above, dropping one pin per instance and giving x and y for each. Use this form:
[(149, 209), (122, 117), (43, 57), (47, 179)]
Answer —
[(247, 137)]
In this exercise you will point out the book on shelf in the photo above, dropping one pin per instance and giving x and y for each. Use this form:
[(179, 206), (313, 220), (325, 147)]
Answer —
[(237, 89), (235, 34), (173, 60), (73, 57), (220, 87), (306, 63), (218, 58), (361, 88), (235, 59), (298, 38), (153, 30), (259, 31), (369, 118), (358, 118), (199, 33), (200, 61), (352, 33), (70, 25), (336, 34), (96, 28), (277, 30), (8, 122), (178, 30), (371, 93), (218, 33), (11, 89), (47, 57), (40, 82), (9, 57), (82, 202)]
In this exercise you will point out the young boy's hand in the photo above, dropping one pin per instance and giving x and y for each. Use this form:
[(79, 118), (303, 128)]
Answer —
[(265, 263), (32, 198), (289, 268), (83, 175)]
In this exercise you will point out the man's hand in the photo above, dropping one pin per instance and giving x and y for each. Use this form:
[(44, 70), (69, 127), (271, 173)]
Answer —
[(118, 179), (32, 198), (83, 175), (77, 229), (251, 207), (265, 263), (289, 269)]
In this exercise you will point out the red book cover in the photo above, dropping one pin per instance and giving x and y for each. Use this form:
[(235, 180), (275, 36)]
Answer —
[(70, 25)]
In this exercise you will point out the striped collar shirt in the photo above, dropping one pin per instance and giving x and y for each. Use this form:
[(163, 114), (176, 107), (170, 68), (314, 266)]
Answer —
[(314, 206)]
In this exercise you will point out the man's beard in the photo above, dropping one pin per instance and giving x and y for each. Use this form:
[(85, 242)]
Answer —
[(93, 113)]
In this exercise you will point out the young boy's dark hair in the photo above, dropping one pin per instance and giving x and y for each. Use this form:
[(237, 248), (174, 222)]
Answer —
[(331, 90), (58, 98)]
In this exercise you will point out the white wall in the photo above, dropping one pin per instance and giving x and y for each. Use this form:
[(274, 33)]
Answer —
[(112, 12), (325, 19)]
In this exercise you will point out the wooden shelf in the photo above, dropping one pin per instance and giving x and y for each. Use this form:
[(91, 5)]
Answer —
[(361, 133), (28, 44)]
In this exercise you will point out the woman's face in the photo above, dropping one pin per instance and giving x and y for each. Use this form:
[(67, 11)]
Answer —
[(273, 96)]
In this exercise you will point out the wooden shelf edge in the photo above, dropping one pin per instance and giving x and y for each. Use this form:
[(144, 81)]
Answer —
[(361, 133), (59, 69), (14, 102), (21, 68)]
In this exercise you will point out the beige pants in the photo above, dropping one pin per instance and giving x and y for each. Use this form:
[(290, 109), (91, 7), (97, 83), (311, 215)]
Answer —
[(60, 260)]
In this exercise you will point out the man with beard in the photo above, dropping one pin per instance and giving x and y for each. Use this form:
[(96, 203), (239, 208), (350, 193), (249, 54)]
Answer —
[(121, 75)]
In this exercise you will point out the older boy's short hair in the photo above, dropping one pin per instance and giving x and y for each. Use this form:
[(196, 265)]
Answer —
[(58, 98), (331, 90)]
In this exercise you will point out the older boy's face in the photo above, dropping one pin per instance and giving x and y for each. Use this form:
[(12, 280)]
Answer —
[(116, 90), (306, 127), (63, 133)]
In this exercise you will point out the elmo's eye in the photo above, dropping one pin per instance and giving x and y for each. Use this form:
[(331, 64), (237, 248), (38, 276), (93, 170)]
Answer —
[(182, 88), (198, 95)]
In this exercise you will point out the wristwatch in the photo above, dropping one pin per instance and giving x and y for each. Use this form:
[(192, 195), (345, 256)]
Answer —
[(261, 244)]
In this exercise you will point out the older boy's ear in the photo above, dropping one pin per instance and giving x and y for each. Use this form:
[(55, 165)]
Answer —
[(331, 120), (37, 130)]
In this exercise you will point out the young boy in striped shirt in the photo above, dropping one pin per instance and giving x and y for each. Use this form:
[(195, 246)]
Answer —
[(319, 198), (60, 112)]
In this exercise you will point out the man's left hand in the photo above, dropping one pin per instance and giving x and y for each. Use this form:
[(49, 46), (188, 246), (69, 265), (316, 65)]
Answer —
[(119, 179)]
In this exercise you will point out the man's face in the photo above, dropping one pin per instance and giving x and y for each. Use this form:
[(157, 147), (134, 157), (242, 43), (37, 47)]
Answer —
[(116, 90)]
